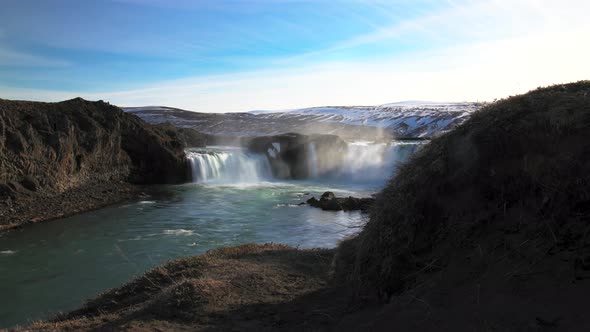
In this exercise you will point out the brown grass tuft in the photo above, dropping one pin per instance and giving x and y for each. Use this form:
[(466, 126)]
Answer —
[(203, 290)]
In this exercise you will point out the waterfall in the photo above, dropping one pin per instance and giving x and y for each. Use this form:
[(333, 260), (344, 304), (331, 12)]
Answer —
[(367, 161), (361, 162), (313, 161), (228, 166)]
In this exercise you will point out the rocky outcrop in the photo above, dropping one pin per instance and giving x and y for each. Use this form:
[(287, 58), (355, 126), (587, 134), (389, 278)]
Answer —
[(296, 156), (47, 149), (189, 137), (329, 202), (286, 153)]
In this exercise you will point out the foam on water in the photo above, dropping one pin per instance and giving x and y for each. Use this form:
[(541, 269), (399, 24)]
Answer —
[(178, 232)]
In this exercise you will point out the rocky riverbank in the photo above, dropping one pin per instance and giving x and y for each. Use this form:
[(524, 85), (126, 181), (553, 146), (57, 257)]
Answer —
[(29, 208)]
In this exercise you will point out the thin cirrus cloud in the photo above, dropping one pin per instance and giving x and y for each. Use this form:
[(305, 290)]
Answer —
[(462, 51), (471, 21), (10, 57), (481, 71)]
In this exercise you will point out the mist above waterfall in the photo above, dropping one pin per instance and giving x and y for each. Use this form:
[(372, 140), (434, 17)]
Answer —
[(361, 162), (355, 162)]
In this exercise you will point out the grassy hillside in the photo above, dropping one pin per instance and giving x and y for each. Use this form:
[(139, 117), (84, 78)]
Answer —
[(518, 166), (487, 228)]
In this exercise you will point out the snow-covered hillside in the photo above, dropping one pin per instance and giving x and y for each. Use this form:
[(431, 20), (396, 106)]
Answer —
[(407, 120)]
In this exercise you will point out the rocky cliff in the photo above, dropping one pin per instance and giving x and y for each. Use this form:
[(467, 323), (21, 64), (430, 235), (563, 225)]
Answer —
[(48, 150)]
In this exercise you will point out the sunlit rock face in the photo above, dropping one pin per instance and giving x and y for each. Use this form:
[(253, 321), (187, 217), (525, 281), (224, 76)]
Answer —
[(54, 147)]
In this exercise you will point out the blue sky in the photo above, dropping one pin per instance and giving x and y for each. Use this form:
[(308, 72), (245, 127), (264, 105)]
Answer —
[(263, 54)]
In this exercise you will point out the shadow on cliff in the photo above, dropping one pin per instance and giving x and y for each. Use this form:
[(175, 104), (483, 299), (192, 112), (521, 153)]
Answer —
[(79, 150)]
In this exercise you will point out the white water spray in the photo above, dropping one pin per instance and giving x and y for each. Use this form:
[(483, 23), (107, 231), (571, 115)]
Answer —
[(362, 162), (219, 166), (313, 161)]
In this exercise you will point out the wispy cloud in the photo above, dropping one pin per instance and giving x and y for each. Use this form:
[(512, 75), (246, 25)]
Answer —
[(469, 50), (467, 21), (473, 71), (11, 57)]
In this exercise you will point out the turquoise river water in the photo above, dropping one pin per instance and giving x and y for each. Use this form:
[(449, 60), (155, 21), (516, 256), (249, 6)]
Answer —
[(55, 266)]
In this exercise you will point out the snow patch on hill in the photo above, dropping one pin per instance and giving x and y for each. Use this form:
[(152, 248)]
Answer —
[(417, 119)]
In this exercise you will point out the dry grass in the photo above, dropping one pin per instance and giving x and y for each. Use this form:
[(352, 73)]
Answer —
[(227, 287)]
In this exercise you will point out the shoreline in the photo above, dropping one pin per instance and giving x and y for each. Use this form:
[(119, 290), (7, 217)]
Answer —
[(245, 287), (37, 208)]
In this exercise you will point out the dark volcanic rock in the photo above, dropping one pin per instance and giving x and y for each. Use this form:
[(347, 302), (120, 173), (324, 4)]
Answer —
[(354, 203), (289, 154), (189, 137), (286, 153), (312, 201), (329, 202), (50, 148), (156, 157)]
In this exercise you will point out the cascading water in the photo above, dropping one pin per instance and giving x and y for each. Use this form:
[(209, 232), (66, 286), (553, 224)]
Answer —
[(313, 161), (374, 161), (228, 166), (362, 162)]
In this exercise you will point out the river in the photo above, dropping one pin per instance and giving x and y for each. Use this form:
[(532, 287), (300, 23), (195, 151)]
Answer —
[(55, 266)]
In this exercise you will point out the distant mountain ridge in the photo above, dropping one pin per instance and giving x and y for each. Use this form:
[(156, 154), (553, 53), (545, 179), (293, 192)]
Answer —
[(397, 120)]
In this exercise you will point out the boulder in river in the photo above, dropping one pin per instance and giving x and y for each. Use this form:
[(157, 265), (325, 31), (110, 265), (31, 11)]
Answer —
[(329, 202)]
